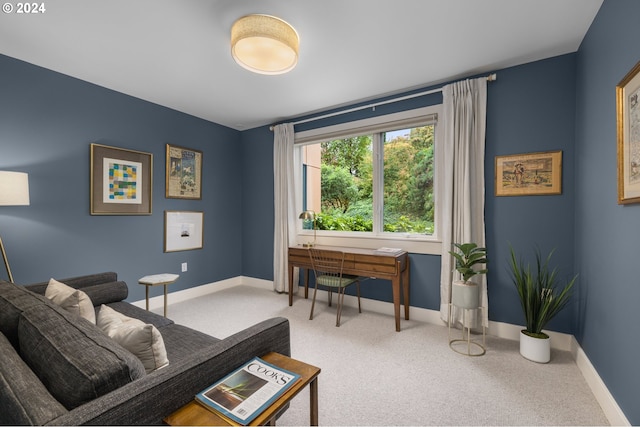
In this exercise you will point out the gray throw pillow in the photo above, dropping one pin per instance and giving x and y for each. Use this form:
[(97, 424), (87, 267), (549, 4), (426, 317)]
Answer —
[(74, 359)]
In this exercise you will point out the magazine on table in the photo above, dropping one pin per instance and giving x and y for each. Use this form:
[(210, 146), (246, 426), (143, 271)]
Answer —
[(248, 391)]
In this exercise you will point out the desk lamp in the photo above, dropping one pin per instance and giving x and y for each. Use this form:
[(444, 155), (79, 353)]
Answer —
[(309, 215), (14, 191)]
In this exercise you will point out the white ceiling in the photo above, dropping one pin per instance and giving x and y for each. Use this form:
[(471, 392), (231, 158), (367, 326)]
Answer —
[(176, 52)]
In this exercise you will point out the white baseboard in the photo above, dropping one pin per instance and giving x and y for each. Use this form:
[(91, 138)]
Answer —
[(608, 404), (157, 302), (559, 341)]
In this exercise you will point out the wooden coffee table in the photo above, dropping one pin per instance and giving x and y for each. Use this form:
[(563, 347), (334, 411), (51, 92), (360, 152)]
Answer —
[(195, 414)]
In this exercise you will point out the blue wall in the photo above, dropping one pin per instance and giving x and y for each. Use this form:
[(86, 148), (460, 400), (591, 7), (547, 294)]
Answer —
[(257, 200), (47, 121), (607, 234), (530, 108), (258, 217)]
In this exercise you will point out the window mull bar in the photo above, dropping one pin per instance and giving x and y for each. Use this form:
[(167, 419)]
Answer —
[(490, 78)]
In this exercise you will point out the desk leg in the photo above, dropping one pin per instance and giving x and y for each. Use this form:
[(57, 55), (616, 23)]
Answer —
[(395, 283), (290, 284), (313, 391), (306, 283), (405, 284)]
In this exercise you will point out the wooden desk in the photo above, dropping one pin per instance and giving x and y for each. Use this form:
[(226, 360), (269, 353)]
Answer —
[(365, 263), (195, 414)]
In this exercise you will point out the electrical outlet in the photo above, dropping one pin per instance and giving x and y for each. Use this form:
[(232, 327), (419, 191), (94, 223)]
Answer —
[(184, 267)]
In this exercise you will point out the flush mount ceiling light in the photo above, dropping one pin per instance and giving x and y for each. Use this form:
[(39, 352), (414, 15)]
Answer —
[(264, 44)]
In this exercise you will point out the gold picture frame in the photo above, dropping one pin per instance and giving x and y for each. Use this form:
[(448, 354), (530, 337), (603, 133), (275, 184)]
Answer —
[(183, 173), (628, 129), (121, 181), (529, 174)]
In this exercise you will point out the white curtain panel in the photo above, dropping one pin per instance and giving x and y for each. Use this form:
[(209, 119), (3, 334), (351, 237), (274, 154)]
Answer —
[(284, 200), (464, 122)]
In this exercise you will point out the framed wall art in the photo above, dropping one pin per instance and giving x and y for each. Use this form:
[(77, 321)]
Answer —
[(628, 125), (184, 173), (121, 181), (529, 174), (183, 230)]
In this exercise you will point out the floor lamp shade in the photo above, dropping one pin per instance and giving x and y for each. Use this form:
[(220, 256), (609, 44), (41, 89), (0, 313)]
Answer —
[(14, 188), (14, 191)]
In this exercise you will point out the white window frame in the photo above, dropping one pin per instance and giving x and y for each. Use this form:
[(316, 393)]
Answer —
[(411, 242)]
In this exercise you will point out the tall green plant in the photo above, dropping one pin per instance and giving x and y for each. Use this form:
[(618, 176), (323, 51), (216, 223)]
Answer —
[(467, 256), (541, 296)]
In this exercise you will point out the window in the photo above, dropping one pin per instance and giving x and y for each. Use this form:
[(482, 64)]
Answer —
[(372, 183)]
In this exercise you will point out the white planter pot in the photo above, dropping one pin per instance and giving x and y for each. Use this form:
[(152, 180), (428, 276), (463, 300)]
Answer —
[(535, 349), (465, 294)]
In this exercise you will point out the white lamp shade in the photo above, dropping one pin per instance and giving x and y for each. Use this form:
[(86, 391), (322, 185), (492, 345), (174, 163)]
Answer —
[(14, 188), (264, 44)]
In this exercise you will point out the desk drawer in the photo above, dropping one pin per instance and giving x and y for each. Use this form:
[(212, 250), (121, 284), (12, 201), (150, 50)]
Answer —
[(299, 257), (364, 264), (374, 268)]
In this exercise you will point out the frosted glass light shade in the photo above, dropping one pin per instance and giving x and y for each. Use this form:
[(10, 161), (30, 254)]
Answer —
[(14, 188), (264, 44)]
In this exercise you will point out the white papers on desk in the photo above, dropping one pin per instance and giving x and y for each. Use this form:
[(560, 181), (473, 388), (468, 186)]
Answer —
[(388, 251)]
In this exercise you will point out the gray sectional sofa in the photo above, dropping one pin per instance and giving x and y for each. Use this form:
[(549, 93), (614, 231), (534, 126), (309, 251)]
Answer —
[(59, 369)]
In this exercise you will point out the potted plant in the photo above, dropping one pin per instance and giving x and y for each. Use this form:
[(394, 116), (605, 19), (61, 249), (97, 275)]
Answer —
[(542, 297), (465, 293)]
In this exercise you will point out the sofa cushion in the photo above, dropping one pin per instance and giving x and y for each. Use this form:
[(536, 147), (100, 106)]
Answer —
[(141, 339), (23, 398), (77, 282), (105, 293), (14, 299), (141, 314), (73, 300), (98, 293), (181, 341), (74, 359)]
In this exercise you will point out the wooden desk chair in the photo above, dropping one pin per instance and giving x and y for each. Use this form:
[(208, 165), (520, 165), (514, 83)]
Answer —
[(327, 268)]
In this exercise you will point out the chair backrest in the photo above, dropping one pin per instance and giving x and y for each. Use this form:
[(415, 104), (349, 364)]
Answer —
[(326, 262)]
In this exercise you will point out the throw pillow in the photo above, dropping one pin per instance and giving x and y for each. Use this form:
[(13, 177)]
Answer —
[(74, 359), (141, 339), (73, 300)]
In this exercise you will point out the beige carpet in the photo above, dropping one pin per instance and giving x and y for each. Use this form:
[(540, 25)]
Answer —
[(374, 376)]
